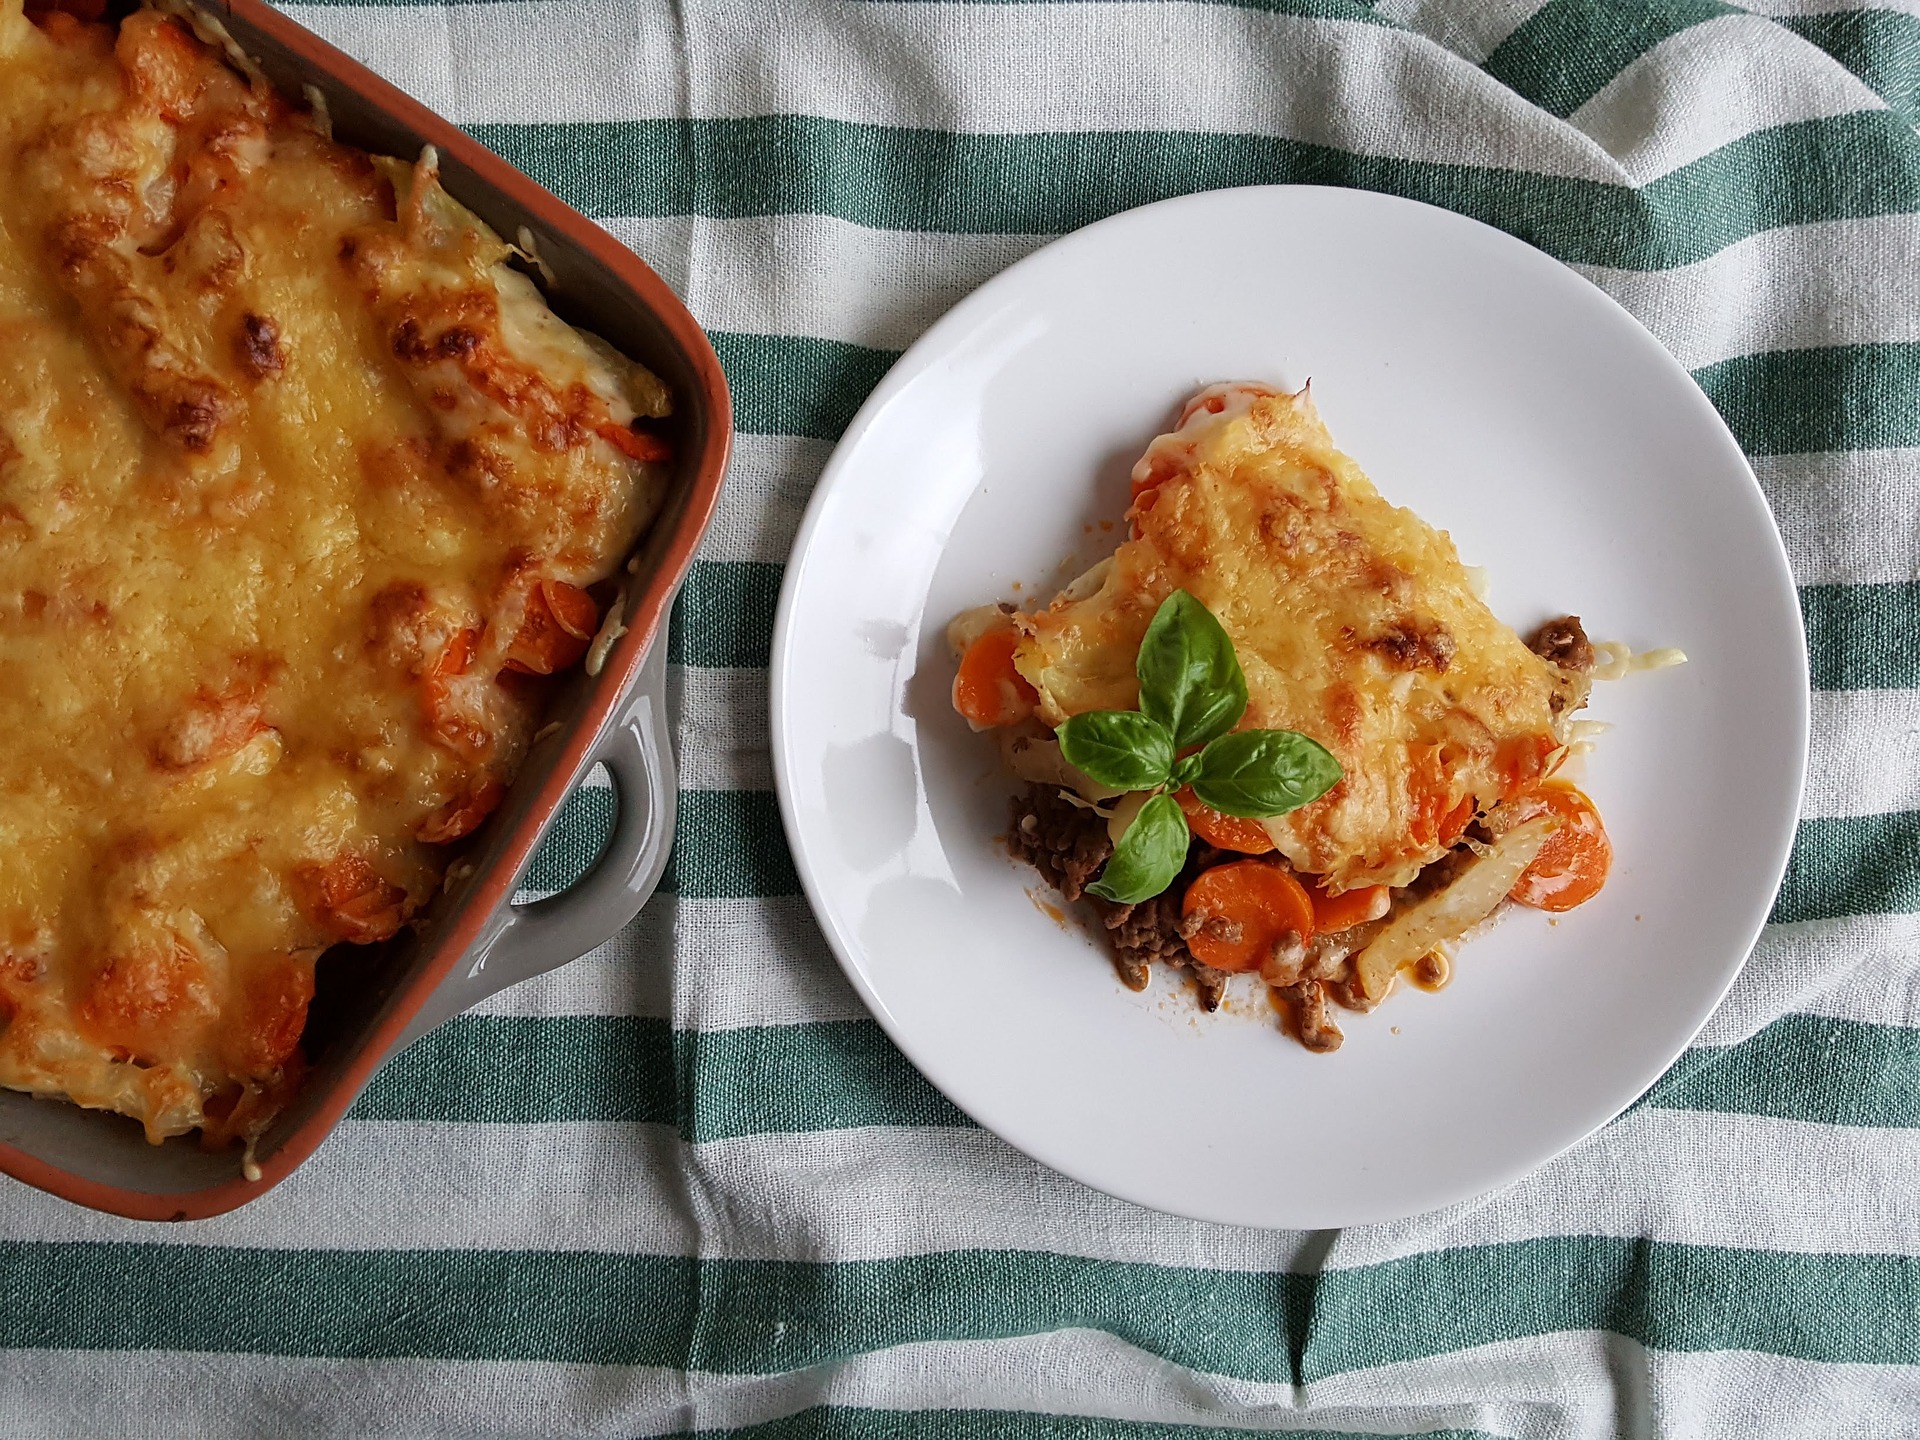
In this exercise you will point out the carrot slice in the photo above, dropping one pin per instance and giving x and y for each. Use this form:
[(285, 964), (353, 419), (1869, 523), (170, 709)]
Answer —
[(1438, 818), (447, 722), (1245, 909), (462, 814), (349, 899), (1454, 824), (1522, 759), (1227, 832), (455, 656), (572, 608), (1572, 866), (271, 1013), (1349, 908), (83, 10), (635, 444), (987, 689), (212, 726), (557, 630)]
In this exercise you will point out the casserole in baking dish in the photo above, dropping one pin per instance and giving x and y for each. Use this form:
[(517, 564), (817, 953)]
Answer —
[(313, 502)]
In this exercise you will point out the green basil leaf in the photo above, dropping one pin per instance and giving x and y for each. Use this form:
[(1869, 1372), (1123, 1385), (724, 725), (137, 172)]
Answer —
[(1148, 856), (1190, 680), (1258, 773), (1120, 748), (1183, 772)]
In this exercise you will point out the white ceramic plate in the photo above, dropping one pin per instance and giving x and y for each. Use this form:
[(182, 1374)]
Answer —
[(1501, 396)]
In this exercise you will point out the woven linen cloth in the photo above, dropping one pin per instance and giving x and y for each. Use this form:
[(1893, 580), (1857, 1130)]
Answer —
[(685, 1185)]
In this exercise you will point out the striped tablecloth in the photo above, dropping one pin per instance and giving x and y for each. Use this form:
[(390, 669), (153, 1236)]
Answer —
[(686, 1185)]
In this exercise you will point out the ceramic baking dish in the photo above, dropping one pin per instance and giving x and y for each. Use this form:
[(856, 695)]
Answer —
[(373, 1000)]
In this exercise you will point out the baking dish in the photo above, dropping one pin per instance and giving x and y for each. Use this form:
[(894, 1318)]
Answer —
[(373, 1000)]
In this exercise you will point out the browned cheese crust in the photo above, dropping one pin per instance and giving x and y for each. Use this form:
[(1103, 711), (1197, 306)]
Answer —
[(1355, 621)]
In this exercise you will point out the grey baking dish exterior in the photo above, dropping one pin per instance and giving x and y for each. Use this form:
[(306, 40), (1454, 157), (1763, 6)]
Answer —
[(474, 941)]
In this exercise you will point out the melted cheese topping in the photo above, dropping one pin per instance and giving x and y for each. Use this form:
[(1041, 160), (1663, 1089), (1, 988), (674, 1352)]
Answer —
[(301, 488), (1354, 621)]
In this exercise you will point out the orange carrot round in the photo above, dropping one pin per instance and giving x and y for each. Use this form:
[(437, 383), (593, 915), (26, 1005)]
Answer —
[(556, 631), (1245, 908), (455, 656), (348, 897), (635, 444), (447, 722), (1522, 759), (987, 689), (1226, 832), (462, 814), (1572, 866), (1438, 817), (1349, 908)]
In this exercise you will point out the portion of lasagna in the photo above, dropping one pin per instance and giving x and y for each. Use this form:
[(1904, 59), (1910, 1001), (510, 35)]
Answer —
[(1356, 625), (304, 493)]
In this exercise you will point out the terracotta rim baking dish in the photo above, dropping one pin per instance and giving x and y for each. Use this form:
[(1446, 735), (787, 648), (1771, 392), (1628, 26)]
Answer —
[(373, 1000)]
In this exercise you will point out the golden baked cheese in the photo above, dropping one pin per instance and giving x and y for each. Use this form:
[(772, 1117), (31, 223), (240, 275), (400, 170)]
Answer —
[(302, 490), (1355, 623)]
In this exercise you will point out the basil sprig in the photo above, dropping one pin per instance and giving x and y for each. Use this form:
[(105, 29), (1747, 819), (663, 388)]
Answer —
[(1257, 773), (1190, 679), (1122, 749), (1149, 854), (1192, 692)]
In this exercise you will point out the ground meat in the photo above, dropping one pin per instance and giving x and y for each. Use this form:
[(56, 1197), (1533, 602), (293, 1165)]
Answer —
[(1211, 984), (1565, 643), (1156, 930), (1287, 962), (1327, 955), (1135, 973), (1152, 930), (1441, 873), (1347, 994), (1066, 844), (1311, 1018)]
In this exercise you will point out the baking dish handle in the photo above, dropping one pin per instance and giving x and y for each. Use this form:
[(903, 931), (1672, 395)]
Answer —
[(526, 940)]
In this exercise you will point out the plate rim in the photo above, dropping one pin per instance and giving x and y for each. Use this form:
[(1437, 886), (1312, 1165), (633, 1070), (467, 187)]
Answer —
[(908, 365)]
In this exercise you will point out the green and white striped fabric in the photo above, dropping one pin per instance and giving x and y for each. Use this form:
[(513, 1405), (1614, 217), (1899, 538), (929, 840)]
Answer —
[(686, 1186)]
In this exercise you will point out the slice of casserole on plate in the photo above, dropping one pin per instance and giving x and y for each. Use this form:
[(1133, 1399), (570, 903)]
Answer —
[(1279, 730)]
